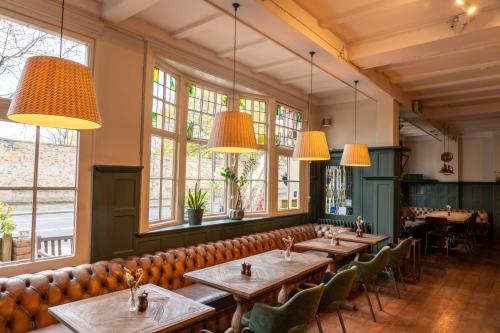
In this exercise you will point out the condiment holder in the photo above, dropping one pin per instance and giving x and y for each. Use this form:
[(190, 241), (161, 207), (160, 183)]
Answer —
[(246, 269)]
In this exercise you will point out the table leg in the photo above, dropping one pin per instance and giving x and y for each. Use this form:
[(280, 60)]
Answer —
[(282, 295), (241, 309), (331, 266)]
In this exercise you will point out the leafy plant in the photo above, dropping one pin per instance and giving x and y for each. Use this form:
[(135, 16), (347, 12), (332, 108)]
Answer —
[(241, 181), (190, 130), (7, 225), (197, 199)]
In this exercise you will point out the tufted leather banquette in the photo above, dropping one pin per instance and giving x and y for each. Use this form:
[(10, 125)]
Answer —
[(25, 299)]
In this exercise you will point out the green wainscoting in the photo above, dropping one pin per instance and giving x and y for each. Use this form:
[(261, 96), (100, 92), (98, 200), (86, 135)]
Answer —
[(375, 190), (115, 220), (466, 195)]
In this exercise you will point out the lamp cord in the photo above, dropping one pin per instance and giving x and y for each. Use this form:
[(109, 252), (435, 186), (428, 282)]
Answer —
[(62, 27), (309, 104), (355, 108), (235, 6)]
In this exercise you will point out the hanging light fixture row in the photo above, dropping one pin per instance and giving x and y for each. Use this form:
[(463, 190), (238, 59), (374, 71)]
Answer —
[(311, 145), (233, 131), (55, 92), (355, 154)]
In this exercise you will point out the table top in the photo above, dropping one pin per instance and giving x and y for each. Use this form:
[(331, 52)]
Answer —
[(370, 239), (324, 245), (454, 217), (167, 312), (270, 270)]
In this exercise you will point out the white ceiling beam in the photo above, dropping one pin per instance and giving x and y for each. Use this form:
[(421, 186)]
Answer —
[(441, 72), (361, 12), (463, 112), (120, 10), (459, 92), (277, 64), (197, 26), (323, 89), (239, 48), (452, 83), (462, 100), (424, 42), (299, 78)]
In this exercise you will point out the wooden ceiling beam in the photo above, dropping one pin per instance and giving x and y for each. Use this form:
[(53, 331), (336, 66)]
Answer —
[(494, 88), (277, 64), (451, 83), (240, 48), (197, 26), (120, 10)]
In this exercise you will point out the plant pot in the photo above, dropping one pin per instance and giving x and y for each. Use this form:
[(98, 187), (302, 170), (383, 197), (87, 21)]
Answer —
[(236, 214), (195, 216)]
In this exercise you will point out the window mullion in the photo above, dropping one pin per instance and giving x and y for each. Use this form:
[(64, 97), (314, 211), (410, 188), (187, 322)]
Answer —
[(35, 195)]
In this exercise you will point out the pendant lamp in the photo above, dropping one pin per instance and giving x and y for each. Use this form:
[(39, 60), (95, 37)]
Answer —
[(232, 131), (355, 154), (446, 157), (311, 145), (55, 92)]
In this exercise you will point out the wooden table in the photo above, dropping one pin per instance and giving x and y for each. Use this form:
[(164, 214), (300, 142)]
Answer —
[(167, 312), (270, 271), (454, 217), (370, 239)]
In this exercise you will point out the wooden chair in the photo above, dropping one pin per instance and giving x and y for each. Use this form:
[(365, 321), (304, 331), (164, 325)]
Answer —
[(437, 229)]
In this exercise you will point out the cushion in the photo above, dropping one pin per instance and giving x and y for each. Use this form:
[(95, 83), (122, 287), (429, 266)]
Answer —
[(56, 328)]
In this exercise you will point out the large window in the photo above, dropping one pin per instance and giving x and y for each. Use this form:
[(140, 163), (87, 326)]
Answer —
[(163, 139), (201, 165), (288, 123), (38, 166), (288, 183), (257, 109), (254, 193)]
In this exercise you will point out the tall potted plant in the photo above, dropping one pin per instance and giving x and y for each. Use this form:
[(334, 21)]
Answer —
[(7, 227), (237, 212), (196, 201)]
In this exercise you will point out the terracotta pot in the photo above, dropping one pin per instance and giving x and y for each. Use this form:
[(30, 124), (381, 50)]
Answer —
[(236, 214), (195, 216)]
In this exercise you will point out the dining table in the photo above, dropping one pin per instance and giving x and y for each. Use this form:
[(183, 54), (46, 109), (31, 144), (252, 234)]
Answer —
[(269, 271), (109, 313), (452, 217), (370, 239)]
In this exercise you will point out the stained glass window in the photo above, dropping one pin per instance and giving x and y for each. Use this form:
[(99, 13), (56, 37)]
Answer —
[(257, 109), (288, 123), (203, 103), (254, 193), (288, 183), (164, 100)]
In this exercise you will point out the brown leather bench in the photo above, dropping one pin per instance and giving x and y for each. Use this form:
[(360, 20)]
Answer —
[(25, 299)]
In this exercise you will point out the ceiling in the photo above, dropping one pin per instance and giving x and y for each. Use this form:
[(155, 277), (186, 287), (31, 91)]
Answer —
[(455, 72)]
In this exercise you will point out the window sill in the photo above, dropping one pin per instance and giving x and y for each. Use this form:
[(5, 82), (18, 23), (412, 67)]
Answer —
[(206, 225)]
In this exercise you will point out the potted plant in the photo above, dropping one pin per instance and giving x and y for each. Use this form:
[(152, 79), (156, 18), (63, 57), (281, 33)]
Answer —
[(237, 212), (196, 202), (7, 227)]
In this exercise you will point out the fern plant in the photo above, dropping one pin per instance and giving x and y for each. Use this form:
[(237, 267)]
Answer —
[(241, 181), (7, 225), (197, 199)]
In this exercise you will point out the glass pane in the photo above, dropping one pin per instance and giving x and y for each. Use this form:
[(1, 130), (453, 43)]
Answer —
[(219, 164), (294, 169), (282, 195), (218, 197), (206, 166), (154, 199), (258, 196), (259, 171), (155, 165), (192, 160), (294, 195), (57, 159), (20, 206), (17, 151), (246, 198), (283, 167), (55, 227), (166, 200), (168, 158)]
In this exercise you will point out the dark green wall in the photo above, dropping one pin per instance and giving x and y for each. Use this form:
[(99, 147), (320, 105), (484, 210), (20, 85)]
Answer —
[(115, 220), (466, 195), (375, 190)]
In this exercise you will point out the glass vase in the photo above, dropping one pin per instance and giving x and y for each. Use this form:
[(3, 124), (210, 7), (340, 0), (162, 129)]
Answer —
[(132, 301), (288, 255)]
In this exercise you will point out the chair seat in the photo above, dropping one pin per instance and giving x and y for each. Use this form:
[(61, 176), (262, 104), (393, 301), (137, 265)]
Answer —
[(56, 328), (203, 294)]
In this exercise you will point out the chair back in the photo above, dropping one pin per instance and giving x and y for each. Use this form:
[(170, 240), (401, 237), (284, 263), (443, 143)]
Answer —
[(397, 254), (381, 259), (437, 224), (337, 289), (293, 316)]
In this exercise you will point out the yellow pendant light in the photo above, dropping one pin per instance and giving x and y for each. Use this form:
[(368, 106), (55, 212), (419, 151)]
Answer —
[(355, 154), (55, 92), (311, 145), (233, 131)]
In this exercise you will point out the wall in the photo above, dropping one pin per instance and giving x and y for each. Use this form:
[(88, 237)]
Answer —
[(478, 158)]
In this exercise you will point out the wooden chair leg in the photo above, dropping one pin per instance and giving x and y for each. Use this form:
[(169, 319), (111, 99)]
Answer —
[(341, 320), (318, 321), (402, 278), (391, 273), (369, 301)]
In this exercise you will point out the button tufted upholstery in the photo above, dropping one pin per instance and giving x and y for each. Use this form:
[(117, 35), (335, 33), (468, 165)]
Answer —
[(25, 299)]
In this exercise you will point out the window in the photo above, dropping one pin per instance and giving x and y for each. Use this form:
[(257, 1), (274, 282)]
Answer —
[(163, 141), (254, 193), (38, 171), (288, 183), (38, 168), (288, 123), (257, 109), (201, 165)]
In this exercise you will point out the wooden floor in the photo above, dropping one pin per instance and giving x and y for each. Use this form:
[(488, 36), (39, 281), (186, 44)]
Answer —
[(460, 293)]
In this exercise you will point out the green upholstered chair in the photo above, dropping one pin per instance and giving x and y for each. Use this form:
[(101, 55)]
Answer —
[(291, 317), (369, 267)]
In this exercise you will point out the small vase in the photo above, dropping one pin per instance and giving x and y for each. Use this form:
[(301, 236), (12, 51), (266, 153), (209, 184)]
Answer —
[(132, 301), (288, 255)]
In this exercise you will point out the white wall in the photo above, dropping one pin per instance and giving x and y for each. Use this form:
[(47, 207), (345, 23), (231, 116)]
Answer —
[(478, 158)]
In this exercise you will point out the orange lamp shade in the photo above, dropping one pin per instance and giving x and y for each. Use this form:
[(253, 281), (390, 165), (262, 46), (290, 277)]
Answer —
[(55, 92), (232, 132), (311, 146), (356, 155)]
